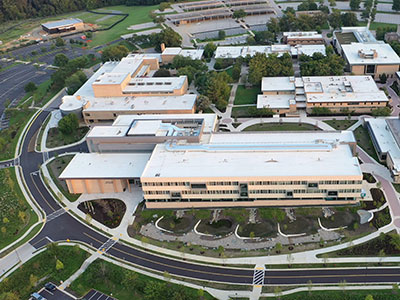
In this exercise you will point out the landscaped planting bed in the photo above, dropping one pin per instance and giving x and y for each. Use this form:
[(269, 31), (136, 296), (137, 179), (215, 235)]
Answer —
[(57, 139), (340, 219), (220, 227), (178, 225), (382, 218), (369, 178), (106, 211), (267, 228), (308, 225)]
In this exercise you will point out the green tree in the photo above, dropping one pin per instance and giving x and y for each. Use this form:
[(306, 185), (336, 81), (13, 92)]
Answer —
[(355, 4), (75, 81), (381, 112), (60, 60), (369, 297), (59, 42), (209, 50), (169, 37), (9, 296), (236, 72), (30, 87), (383, 78), (68, 124), (239, 14), (335, 19), (59, 265), (396, 5), (278, 247), (349, 19), (116, 52), (221, 34), (203, 103)]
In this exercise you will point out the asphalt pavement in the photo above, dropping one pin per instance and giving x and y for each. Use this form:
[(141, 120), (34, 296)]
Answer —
[(62, 226), (96, 295), (55, 295)]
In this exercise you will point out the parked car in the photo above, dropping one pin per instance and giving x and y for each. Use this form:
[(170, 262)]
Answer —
[(36, 296), (50, 286)]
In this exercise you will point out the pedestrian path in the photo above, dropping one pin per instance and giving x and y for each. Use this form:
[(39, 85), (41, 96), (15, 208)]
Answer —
[(55, 214), (108, 245), (258, 276)]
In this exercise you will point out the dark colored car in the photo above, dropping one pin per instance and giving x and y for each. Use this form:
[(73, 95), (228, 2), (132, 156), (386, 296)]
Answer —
[(50, 286)]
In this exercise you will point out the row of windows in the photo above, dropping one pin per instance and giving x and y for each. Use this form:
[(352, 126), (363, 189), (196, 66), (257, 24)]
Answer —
[(220, 192), (247, 200), (347, 103), (228, 183)]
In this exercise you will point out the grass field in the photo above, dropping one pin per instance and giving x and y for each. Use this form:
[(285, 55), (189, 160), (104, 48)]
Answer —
[(340, 124), (41, 96), (18, 119), (126, 285), (41, 269), (137, 15), (365, 142), (16, 216), (246, 96), (375, 25), (57, 139), (55, 167), (281, 127)]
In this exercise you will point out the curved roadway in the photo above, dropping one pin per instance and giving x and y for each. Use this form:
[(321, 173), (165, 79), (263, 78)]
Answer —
[(61, 226)]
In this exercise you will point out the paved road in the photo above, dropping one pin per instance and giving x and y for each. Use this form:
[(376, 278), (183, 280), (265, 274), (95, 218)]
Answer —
[(55, 295), (62, 226), (96, 295)]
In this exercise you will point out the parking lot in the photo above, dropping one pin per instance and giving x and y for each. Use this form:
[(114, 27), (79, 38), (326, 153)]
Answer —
[(55, 295), (96, 295), (14, 79)]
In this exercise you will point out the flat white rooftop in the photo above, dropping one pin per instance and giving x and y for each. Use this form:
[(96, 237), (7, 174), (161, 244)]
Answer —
[(145, 127), (342, 88), (314, 161), (243, 51), (210, 120), (271, 84), (102, 166), (108, 131), (62, 23), (281, 101), (385, 139), (385, 54), (302, 34), (154, 84), (192, 53), (183, 102)]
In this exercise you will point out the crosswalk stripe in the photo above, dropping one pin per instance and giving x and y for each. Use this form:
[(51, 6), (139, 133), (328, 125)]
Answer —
[(258, 276)]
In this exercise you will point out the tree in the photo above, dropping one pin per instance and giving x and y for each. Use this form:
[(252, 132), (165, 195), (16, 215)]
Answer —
[(30, 87), (355, 4), (60, 60), (278, 247), (278, 292), (269, 66), (236, 72), (9, 296), (383, 78), (59, 42), (335, 19), (3, 144), (209, 50), (381, 112), (396, 5), (116, 52), (349, 19), (221, 34), (273, 26), (203, 103), (239, 14), (162, 73), (75, 81), (200, 293), (369, 297), (169, 38), (68, 124), (59, 265)]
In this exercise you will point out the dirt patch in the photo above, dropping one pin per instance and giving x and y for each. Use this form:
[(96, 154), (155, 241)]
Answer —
[(221, 227), (301, 225), (340, 219), (181, 225), (108, 212), (369, 178), (264, 229)]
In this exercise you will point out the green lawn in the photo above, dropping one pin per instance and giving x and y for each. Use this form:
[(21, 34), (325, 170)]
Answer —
[(244, 112), (340, 124), (246, 96), (40, 96), (18, 120), (342, 295), (16, 216), (375, 25), (137, 15), (41, 269), (55, 167), (126, 285), (281, 127), (365, 142), (57, 139)]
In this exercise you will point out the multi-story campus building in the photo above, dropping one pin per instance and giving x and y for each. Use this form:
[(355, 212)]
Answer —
[(187, 164), (127, 87), (303, 38), (243, 51), (364, 54), (286, 95), (385, 135)]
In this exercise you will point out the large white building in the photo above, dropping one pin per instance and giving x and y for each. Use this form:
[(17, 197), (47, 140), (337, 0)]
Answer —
[(180, 162), (285, 95), (127, 87)]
